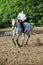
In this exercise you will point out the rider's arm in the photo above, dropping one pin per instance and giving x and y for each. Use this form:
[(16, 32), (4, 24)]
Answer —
[(18, 17)]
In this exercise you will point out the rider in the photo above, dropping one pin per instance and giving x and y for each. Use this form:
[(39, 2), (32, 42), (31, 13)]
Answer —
[(22, 18)]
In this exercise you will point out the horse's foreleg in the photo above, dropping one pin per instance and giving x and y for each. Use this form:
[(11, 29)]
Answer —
[(23, 38), (13, 34), (18, 41), (27, 39), (14, 41)]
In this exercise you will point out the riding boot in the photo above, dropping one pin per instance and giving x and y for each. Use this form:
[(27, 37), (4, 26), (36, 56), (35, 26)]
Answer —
[(22, 26)]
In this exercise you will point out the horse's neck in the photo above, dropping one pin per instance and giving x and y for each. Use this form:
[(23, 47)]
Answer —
[(17, 23)]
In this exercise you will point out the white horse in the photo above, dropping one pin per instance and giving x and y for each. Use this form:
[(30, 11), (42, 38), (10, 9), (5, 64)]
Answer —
[(17, 31)]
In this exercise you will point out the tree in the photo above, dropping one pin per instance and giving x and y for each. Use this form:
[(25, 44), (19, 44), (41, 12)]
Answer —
[(10, 8)]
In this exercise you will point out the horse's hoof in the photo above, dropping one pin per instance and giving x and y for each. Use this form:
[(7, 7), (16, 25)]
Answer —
[(29, 36), (20, 45)]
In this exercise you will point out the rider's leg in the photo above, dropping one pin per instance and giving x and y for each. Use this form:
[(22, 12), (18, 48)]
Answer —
[(22, 26)]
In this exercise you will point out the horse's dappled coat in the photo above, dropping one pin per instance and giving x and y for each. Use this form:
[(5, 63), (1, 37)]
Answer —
[(16, 28)]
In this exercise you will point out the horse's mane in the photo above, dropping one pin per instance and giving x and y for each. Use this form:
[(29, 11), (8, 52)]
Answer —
[(17, 23)]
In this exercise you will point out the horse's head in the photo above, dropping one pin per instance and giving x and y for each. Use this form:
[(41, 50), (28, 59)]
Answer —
[(15, 22)]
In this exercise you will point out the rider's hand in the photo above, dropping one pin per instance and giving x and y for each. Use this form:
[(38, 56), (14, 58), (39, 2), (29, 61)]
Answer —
[(23, 20)]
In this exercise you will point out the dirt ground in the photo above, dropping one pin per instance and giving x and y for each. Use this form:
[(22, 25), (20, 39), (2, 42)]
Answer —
[(30, 54)]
